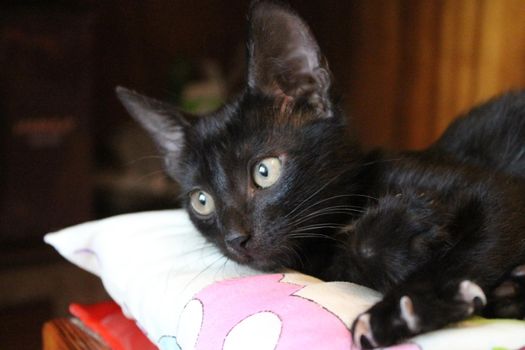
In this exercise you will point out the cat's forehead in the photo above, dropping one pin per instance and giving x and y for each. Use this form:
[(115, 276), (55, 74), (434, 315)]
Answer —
[(249, 129)]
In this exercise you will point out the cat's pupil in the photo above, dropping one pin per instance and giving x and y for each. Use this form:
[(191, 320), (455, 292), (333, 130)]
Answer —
[(263, 170), (202, 199)]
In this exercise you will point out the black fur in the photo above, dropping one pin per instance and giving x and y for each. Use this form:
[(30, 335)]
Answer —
[(436, 227), (421, 222), (426, 210), (491, 135)]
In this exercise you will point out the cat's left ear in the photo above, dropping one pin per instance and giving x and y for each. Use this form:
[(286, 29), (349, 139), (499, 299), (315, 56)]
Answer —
[(285, 59), (165, 123)]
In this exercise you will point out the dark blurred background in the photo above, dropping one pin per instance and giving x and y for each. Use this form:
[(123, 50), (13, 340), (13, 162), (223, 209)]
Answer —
[(69, 153)]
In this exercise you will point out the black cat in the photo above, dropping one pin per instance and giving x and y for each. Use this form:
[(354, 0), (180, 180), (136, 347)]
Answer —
[(275, 178)]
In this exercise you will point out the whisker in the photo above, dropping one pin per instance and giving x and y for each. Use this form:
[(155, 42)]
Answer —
[(306, 235), (380, 161), (146, 176), (320, 224), (220, 271), (299, 257), (348, 212), (317, 227), (337, 176), (196, 250), (204, 270), (325, 211), (342, 206), (131, 162), (340, 243), (327, 199), (313, 194)]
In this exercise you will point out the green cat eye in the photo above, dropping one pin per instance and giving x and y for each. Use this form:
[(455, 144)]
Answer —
[(202, 202), (267, 172)]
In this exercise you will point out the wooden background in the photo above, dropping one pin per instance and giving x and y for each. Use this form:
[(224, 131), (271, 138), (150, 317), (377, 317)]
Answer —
[(405, 68), (420, 63)]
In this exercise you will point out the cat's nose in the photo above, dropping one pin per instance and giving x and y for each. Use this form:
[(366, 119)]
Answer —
[(237, 241)]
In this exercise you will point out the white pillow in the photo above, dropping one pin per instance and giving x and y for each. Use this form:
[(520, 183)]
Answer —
[(154, 263), (185, 294)]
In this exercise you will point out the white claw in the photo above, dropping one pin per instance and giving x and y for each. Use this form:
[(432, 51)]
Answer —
[(469, 291), (362, 328), (408, 314), (519, 271)]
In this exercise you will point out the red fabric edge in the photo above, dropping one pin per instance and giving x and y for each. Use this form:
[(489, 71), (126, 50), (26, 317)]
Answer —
[(91, 316), (107, 320)]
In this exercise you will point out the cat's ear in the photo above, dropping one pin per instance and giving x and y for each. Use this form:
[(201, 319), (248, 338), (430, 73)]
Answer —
[(284, 58), (164, 123)]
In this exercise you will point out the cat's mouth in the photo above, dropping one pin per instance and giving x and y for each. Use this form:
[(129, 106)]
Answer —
[(261, 259), (240, 257)]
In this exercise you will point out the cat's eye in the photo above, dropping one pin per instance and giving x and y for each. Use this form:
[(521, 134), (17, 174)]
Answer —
[(202, 202), (267, 172)]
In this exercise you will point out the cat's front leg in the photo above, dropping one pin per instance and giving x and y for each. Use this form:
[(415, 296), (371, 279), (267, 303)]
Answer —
[(415, 308)]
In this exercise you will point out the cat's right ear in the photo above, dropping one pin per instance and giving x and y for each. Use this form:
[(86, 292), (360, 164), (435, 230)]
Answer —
[(165, 123), (284, 59)]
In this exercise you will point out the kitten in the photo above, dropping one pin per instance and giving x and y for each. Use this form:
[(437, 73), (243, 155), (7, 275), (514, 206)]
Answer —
[(274, 178)]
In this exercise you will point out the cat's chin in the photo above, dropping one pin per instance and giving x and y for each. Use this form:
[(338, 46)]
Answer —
[(265, 265), (267, 262), (273, 263), (268, 268)]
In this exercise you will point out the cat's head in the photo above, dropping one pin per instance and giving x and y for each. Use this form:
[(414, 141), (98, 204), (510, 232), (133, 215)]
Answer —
[(266, 177)]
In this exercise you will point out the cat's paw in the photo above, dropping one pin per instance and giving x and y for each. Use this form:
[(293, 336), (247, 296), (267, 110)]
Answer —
[(508, 299), (379, 328), (394, 319)]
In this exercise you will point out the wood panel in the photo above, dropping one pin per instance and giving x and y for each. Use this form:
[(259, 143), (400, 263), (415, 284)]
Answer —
[(483, 54), (417, 64), (369, 70), (69, 334)]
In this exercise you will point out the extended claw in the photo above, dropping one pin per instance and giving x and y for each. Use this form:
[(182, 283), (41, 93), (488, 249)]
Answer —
[(472, 294), (518, 271), (507, 289), (362, 332), (408, 314)]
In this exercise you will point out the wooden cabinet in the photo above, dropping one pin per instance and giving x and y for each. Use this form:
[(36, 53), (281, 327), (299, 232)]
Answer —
[(46, 105), (45, 108)]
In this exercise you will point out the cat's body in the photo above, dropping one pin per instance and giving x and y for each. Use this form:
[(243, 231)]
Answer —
[(491, 135), (425, 209), (274, 179), (432, 228)]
